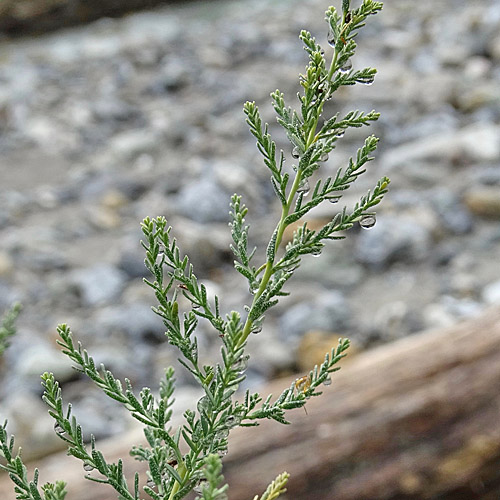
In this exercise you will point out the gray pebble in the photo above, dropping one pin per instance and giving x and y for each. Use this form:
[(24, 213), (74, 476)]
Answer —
[(137, 321), (204, 201), (329, 313), (395, 239), (100, 284)]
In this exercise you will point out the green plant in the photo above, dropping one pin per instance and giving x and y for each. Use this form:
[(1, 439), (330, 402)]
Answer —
[(173, 472), (7, 326)]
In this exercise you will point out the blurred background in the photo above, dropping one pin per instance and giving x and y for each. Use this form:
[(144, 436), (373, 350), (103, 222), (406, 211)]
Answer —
[(110, 121)]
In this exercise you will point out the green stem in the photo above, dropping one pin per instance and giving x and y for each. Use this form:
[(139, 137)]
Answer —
[(268, 266), (182, 470)]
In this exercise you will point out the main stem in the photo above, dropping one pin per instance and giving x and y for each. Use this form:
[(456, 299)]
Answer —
[(268, 269)]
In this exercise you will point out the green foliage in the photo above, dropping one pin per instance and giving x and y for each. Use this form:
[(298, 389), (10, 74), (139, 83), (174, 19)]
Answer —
[(8, 326), (276, 488), (209, 488), (189, 458), (18, 473)]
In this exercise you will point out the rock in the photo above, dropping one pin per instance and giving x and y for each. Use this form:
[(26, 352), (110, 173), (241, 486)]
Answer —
[(395, 239), (393, 320), (434, 124), (481, 142), (13, 204), (329, 313), (113, 199), (336, 268), (131, 262), (174, 75), (479, 97), (99, 415), (474, 143), (7, 295), (491, 293), (6, 264), (437, 316), (123, 357), (271, 356), (103, 218), (38, 357), (206, 245), (31, 424), (489, 175), (495, 47), (130, 144), (453, 215), (204, 201), (463, 284), (484, 201), (45, 260), (96, 285), (235, 178), (112, 109), (137, 321)]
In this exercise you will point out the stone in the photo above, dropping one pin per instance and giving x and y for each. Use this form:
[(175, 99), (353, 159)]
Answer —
[(491, 293), (103, 218), (131, 262), (31, 424), (452, 213), (7, 295), (437, 316), (100, 416), (395, 239), (204, 201), (38, 357), (335, 268), (476, 142), (461, 308), (136, 320), (489, 175), (272, 356), (6, 264), (130, 144), (206, 245), (483, 201), (481, 142), (329, 313), (391, 321), (96, 285), (45, 260)]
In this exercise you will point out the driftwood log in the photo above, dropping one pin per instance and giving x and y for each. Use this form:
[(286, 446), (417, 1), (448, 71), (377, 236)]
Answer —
[(19, 17), (417, 419)]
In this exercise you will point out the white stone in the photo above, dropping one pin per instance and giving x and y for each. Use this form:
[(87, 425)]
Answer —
[(491, 293)]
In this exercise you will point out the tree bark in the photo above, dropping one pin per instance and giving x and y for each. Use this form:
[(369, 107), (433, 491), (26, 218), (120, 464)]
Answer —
[(417, 419)]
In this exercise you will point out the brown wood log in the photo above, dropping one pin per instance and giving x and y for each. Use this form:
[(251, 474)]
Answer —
[(20, 17), (417, 419)]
